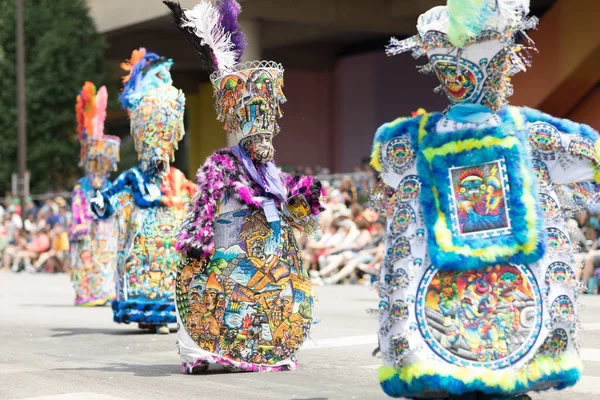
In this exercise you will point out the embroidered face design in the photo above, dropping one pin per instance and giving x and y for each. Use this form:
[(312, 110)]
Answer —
[(458, 84), (248, 100), (476, 74), (471, 184), (259, 147), (157, 127)]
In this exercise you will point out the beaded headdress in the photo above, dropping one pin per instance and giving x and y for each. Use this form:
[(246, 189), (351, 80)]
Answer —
[(155, 106), (247, 95), (99, 152), (473, 47)]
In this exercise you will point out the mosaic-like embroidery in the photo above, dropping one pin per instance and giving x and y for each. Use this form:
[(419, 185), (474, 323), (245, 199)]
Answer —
[(555, 344), (398, 155), (409, 188), (400, 248), (253, 301), (487, 318), (541, 172), (559, 273), (549, 206), (544, 138), (480, 198), (562, 309), (461, 84), (582, 147), (403, 217), (558, 240)]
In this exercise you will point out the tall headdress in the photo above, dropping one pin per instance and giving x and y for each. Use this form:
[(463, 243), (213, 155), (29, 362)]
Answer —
[(473, 48), (99, 152), (155, 106), (247, 95)]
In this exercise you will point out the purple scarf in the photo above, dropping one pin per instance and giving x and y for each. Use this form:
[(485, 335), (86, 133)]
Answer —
[(272, 183)]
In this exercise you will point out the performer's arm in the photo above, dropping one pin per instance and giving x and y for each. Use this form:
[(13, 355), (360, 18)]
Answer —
[(196, 237), (567, 148), (309, 187), (103, 203)]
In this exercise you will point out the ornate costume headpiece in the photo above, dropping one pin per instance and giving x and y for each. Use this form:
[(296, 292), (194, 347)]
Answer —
[(99, 152), (155, 106), (146, 71), (247, 95), (473, 48)]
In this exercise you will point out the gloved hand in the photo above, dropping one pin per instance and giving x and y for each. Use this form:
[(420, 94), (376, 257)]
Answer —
[(98, 201)]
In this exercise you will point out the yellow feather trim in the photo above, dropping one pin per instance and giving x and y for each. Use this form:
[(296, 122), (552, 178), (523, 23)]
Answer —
[(506, 379), (375, 157)]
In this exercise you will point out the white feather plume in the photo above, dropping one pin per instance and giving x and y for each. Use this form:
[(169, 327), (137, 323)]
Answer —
[(508, 12), (204, 20)]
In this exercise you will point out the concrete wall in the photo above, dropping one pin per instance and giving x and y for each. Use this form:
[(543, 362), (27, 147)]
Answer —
[(374, 89), (330, 117)]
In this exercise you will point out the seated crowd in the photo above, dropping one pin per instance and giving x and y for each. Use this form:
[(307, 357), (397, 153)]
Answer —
[(348, 249), (36, 240)]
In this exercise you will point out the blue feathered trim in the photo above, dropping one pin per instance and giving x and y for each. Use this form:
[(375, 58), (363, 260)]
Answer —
[(563, 125), (136, 181), (399, 127), (523, 242), (151, 313), (395, 387)]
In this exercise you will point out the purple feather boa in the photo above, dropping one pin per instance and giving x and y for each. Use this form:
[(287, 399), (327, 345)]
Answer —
[(229, 11), (221, 173)]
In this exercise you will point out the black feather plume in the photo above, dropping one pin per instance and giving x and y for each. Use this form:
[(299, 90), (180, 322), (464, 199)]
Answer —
[(204, 51)]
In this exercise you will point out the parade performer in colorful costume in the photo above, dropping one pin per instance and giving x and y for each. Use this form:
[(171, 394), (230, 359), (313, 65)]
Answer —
[(149, 201), (478, 291), (93, 247), (244, 297)]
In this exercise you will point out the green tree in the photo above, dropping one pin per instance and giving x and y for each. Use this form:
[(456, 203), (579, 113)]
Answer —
[(62, 51)]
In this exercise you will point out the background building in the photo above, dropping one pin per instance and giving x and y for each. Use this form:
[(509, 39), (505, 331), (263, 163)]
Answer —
[(339, 83)]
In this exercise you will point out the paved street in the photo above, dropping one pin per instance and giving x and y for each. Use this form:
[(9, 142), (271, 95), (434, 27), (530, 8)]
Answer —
[(50, 350)]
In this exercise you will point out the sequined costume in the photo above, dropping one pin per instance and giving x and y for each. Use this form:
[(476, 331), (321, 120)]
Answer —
[(148, 201), (244, 297), (93, 242), (478, 292)]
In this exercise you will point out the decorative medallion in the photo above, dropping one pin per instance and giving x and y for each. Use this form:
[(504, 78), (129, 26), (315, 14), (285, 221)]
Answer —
[(557, 240), (398, 155), (582, 147), (555, 344), (549, 206), (409, 188), (541, 172), (544, 138), (560, 273), (399, 249), (481, 318), (403, 217)]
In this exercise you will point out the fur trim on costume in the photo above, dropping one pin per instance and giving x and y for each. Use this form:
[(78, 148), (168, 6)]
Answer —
[(152, 313), (421, 378), (524, 239), (223, 172), (188, 367)]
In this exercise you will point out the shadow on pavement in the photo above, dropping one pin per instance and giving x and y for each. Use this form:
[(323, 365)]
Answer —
[(62, 332), (141, 370)]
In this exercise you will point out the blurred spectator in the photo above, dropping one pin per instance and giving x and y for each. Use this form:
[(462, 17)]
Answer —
[(348, 191), (39, 241)]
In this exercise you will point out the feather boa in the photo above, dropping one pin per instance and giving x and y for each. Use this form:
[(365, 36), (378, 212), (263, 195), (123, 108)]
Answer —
[(221, 173), (188, 367)]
